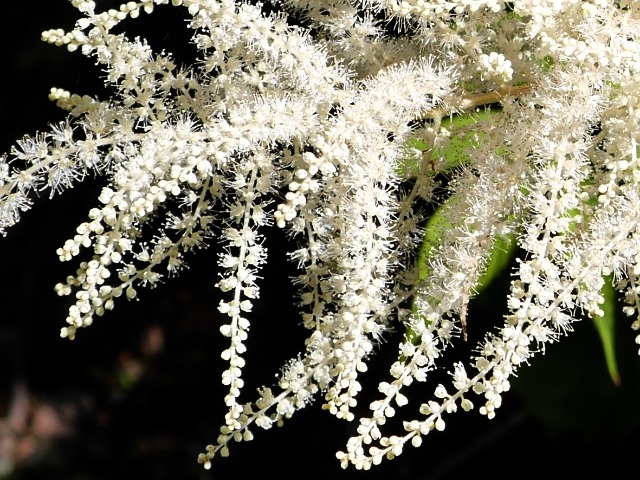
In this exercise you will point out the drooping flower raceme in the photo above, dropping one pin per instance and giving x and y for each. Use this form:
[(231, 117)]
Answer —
[(334, 120)]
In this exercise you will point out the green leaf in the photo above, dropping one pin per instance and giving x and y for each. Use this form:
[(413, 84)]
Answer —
[(439, 222), (546, 63), (454, 152), (502, 253), (605, 326), (500, 256), (462, 139), (417, 143)]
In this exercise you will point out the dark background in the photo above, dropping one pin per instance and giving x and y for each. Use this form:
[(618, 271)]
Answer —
[(137, 395)]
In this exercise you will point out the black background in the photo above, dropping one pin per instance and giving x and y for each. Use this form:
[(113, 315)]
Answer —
[(563, 418)]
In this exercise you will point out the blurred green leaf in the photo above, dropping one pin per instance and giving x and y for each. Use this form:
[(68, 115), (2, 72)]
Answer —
[(605, 326), (500, 256), (502, 253), (453, 152), (462, 138), (439, 222)]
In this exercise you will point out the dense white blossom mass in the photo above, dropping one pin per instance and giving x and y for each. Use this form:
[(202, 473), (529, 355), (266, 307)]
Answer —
[(335, 120)]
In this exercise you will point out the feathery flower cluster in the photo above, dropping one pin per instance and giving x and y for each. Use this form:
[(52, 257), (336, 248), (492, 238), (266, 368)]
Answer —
[(333, 120)]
